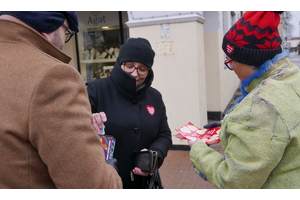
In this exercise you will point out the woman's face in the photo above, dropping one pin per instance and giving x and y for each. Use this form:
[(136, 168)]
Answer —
[(138, 70), (243, 71)]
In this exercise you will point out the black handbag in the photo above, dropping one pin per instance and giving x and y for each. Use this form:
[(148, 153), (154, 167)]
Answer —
[(148, 161)]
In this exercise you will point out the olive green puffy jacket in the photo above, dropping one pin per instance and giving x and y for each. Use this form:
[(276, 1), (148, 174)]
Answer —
[(260, 135)]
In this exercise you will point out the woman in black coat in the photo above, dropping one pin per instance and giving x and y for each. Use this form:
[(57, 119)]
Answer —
[(136, 114)]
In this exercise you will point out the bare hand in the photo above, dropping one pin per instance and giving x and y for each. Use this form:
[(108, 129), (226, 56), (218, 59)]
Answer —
[(138, 171), (98, 119)]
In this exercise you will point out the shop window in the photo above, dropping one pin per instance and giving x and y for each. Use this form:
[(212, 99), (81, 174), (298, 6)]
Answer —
[(99, 40)]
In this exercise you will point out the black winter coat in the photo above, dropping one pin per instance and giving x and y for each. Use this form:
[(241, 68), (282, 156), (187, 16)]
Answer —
[(129, 120)]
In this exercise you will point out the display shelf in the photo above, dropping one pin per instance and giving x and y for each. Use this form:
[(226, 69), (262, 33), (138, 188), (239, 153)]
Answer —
[(106, 60)]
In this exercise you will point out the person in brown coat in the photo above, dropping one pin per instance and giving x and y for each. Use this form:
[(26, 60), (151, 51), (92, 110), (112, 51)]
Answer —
[(47, 139)]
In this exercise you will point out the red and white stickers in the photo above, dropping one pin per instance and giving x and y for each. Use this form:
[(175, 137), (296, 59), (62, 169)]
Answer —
[(191, 132)]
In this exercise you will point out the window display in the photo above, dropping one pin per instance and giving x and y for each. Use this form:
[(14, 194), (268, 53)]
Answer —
[(99, 43)]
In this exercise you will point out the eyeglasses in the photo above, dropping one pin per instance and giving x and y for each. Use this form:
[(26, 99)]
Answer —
[(227, 63), (69, 34), (141, 70)]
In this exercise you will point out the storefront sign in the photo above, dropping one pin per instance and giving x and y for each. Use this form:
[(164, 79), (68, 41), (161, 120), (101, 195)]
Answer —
[(97, 19)]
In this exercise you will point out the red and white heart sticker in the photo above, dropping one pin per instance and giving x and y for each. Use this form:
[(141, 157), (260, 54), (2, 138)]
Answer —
[(229, 49), (150, 109)]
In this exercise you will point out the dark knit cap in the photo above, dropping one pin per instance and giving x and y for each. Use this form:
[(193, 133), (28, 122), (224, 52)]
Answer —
[(136, 50), (46, 21), (254, 38)]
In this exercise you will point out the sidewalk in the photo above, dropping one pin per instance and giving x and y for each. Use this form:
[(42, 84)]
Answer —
[(177, 171)]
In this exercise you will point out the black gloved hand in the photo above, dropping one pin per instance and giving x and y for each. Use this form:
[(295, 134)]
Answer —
[(113, 162), (212, 125)]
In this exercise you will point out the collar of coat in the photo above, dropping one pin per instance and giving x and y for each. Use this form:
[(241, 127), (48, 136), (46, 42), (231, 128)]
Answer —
[(262, 71), (23, 34), (125, 83)]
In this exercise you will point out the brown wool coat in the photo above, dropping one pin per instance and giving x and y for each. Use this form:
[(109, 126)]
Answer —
[(46, 135)]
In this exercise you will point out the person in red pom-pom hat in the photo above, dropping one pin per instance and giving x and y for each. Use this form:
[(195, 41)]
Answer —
[(260, 133)]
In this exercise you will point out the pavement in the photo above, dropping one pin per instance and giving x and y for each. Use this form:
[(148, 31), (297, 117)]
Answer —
[(177, 171), (295, 58)]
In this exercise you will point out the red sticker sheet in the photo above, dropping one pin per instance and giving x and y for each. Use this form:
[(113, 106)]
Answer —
[(191, 132)]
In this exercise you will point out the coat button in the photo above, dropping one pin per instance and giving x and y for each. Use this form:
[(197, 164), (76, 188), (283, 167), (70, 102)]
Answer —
[(136, 130), (134, 101)]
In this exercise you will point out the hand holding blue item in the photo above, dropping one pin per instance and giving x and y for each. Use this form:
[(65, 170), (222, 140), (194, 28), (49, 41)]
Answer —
[(98, 119)]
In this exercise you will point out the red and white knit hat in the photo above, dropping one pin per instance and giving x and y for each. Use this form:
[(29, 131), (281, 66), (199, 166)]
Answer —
[(254, 38)]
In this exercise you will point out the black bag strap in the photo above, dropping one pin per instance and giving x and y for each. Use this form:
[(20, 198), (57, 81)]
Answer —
[(153, 158), (155, 181)]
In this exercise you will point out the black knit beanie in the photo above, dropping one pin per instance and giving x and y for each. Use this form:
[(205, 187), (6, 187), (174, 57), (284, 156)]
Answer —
[(46, 21), (136, 50), (254, 38)]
